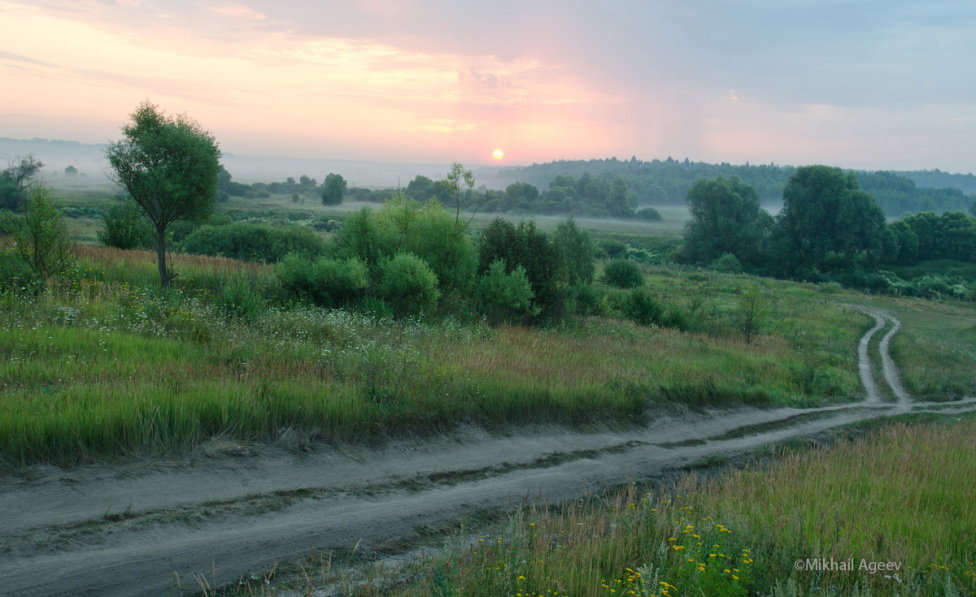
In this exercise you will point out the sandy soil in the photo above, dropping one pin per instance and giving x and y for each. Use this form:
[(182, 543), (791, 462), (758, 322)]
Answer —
[(134, 528)]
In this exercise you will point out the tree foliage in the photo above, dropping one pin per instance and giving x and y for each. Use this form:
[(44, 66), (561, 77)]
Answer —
[(40, 234), (19, 176), (169, 165), (527, 246), (824, 212), (335, 189), (726, 217)]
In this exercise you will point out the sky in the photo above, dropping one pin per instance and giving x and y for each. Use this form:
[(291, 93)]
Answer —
[(871, 84)]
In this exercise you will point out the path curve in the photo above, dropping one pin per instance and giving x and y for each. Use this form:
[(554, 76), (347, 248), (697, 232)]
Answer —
[(134, 528)]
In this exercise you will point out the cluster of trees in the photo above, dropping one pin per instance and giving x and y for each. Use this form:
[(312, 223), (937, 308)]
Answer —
[(827, 223), (667, 182), (409, 257), (331, 191)]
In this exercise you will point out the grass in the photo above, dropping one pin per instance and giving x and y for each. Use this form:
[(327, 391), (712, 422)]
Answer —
[(935, 349), (100, 363), (898, 498)]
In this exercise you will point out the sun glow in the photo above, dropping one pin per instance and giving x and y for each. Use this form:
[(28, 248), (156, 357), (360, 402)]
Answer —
[(497, 154)]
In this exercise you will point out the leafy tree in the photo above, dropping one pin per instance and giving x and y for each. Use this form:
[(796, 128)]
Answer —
[(617, 203), (577, 252), (726, 217), (305, 181), (457, 179), (40, 234), (824, 211), (16, 179), (650, 214), (527, 246), (335, 189), (906, 241), (520, 195), (70, 171), (327, 282), (124, 226), (169, 166)]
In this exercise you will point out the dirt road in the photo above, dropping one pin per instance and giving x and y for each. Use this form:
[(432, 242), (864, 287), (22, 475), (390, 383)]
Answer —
[(134, 528)]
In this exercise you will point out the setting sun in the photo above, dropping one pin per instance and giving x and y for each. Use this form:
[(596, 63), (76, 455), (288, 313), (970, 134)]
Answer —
[(497, 154)]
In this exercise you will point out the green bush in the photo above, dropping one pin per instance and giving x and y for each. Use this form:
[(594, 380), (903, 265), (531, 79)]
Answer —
[(642, 308), (727, 263), (623, 274), (505, 297), (325, 281), (254, 242), (125, 227), (408, 284)]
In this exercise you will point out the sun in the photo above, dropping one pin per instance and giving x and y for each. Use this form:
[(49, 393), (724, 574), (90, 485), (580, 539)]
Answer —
[(498, 154)]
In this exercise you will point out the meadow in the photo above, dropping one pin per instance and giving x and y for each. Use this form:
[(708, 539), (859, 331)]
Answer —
[(99, 362)]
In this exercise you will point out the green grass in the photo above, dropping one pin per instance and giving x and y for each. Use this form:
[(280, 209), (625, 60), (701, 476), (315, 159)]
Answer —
[(100, 363), (902, 495)]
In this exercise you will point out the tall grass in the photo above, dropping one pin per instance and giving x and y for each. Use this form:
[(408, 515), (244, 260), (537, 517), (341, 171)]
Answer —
[(902, 496), (108, 364)]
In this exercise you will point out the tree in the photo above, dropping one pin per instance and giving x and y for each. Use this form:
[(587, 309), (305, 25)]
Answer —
[(578, 252), (751, 313), (824, 211), (16, 179), (726, 218), (457, 179), (335, 189), (70, 171), (169, 166), (40, 234)]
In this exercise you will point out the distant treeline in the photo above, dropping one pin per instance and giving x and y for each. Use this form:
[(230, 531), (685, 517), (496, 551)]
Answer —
[(619, 188)]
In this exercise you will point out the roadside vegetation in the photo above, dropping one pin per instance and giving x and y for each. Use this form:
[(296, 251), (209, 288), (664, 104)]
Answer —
[(893, 507)]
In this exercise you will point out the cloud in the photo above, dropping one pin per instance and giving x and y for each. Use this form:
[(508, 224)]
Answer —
[(237, 11)]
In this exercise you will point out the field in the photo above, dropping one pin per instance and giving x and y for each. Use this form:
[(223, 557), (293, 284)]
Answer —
[(104, 376)]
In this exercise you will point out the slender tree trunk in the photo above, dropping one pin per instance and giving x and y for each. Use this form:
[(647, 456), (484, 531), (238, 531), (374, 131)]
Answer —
[(161, 258)]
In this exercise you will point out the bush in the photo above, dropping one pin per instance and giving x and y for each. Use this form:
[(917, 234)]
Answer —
[(408, 284), (642, 308), (505, 297), (727, 263), (254, 242), (125, 227), (40, 234), (325, 282), (623, 274), (527, 246), (649, 214)]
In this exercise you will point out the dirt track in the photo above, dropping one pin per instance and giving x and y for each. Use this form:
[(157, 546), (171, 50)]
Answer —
[(132, 529)]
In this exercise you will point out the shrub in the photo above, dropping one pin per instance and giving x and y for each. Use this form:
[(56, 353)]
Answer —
[(125, 227), (650, 214), (623, 274), (505, 297), (254, 242), (40, 234), (727, 263), (527, 246), (408, 284), (642, 308), (325, 281)]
